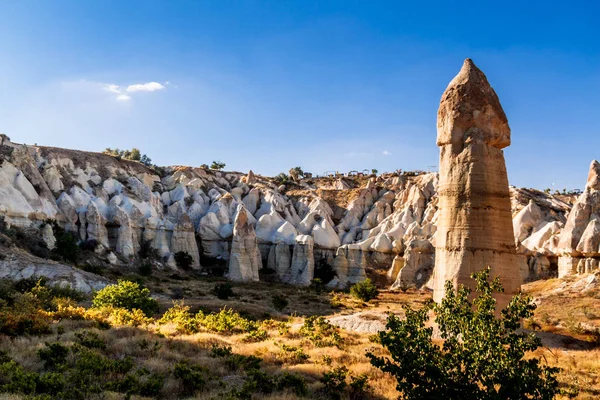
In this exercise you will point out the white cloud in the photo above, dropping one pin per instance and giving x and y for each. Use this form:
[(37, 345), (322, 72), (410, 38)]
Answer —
[(121, 92), (111, 87), (386, 153), (145, 87)]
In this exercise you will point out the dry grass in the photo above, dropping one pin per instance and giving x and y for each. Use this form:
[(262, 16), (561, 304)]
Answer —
[(563, 319), (569, 318)]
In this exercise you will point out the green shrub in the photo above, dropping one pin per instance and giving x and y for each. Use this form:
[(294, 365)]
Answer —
[(291, 354), (334, 382), (123, 316), (53, 355), (14, 379), (320, 332), (88, 245), (257, 382), (128, 295), (258, 335), (66, 244), (192, 376), (227, 321), (324, 271), (279, 302), (183, 260), (223, 291), (90, 339), (148, 252), (291, 382), (22, 313), (183, 319), (317, 285), (364, 290), (220, 351), (51, 383), (481, 357), (242, 362), (359, 387), (145, 269), (151, 384)]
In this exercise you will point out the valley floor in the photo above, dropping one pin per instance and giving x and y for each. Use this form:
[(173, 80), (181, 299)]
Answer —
[(567, 319)]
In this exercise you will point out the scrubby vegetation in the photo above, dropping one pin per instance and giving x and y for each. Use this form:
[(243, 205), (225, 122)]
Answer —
[(133, 155), (217, 165), (268, 341)]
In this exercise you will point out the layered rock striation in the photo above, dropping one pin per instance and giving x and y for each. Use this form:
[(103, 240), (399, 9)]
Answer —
[(474, 228)]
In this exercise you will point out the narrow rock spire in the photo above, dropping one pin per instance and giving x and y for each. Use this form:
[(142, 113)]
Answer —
[(475, 225)]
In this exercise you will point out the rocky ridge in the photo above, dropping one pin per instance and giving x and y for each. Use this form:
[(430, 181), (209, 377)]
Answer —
[(381, 226)]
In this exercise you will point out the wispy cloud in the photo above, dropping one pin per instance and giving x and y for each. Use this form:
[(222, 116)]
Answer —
[(110, 87), (145, 87), (358, 154), (122, 91), (386, 153)]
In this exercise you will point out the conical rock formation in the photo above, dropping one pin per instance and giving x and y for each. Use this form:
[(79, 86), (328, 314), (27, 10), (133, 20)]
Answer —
[(245, 260), (579, 242)]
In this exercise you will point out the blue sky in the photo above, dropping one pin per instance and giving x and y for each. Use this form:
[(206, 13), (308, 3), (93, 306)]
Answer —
[(327, 85)]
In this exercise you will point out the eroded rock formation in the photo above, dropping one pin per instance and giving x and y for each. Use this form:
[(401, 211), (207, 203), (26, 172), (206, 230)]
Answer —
[(245, 261), (579, 244), (474, 229), (381, 227)]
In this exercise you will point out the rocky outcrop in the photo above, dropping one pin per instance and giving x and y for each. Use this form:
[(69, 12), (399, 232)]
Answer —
[(474, 229), (18, 265), (279, 259), (184, 240), (302, 268), (96, 225), (579, 245), (358, 226), (245, 260), (417, 265)]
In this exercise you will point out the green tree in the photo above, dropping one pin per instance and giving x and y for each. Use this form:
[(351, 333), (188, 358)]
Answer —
[(147, 161), (299, 171), (374, 171), (135, 155), (218, 165), (66, 244), (481, 356)]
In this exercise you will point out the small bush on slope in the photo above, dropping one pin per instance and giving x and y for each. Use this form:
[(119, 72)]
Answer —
[(364, 290), (223, 291), (481, 357), (128, 295), (320, 332), (183, 260)]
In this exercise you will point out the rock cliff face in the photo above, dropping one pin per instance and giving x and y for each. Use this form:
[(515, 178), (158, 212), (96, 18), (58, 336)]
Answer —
[(383, 227), (475, 227)]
